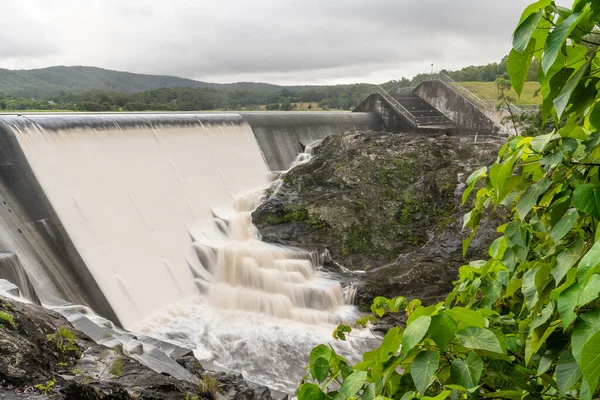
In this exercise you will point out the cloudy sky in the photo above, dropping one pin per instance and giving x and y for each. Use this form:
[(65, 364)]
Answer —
[(278, 41)]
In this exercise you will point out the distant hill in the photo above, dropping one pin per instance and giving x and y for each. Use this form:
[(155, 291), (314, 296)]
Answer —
[(52, 81)]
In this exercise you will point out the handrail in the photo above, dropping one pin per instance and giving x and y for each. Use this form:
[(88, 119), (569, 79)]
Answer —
[(415, 121), (393, 102), (464, 91)]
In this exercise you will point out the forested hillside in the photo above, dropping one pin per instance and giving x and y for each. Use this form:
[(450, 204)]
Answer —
[(97, 89), (52, 81)]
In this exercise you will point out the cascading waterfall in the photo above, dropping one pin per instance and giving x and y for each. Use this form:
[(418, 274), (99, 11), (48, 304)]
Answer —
[(264, 306), (122, 213)]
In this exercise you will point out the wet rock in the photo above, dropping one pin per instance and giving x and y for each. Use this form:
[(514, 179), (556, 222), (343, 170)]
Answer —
[(387, 204), (43, 356)]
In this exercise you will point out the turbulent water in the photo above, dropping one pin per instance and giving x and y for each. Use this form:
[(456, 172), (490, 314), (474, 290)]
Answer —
[(124, 213), (264, 306)]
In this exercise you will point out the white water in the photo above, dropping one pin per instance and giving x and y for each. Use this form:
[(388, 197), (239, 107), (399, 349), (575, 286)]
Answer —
[(144, 208), (264, 307), (129, 195)]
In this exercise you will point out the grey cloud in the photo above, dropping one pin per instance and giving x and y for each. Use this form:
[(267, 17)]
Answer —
[(23, 33), (288, 41)]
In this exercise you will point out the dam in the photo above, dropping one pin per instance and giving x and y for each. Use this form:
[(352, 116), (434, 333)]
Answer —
[(111, 211)]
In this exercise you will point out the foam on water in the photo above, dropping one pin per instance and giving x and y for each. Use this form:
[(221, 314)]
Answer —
[(142, 201), (264, 306), (267, 350), (129, 189)]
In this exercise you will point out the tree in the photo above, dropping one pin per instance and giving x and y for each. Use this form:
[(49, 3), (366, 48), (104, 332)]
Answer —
[(506, 100), (287, 106), (524, 323)]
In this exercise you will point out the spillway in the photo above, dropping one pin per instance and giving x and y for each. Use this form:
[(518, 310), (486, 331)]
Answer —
[(102, 209), (283, 135)]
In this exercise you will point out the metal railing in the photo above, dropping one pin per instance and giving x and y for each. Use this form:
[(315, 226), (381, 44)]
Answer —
[(399, 108), (464, 92)]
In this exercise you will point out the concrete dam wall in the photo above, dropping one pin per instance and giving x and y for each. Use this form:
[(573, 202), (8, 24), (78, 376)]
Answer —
[(468, 117), (102, 210), (282, 136)]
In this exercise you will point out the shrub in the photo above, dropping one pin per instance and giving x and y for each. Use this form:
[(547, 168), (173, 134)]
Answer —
[(7, 320), (65, 343), (524, 323)]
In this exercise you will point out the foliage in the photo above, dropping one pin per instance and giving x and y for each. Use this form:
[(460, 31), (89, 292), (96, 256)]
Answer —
[(7, 320), (525, 323), (291, 215), (65, 343), (209, 386), (117, 367), (46, 388), (506, 101)]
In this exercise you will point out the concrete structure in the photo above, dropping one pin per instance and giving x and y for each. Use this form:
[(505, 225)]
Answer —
[(469, 117), (103, 209), (432, 107)]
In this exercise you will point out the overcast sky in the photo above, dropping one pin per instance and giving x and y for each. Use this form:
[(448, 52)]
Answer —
[(277, 41)]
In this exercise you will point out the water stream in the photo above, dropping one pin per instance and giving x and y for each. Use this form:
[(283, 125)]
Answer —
[(263, 306)]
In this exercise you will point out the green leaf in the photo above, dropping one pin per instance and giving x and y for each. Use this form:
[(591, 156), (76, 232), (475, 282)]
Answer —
[(540, 142), (565, 260), (391, 343), (531, 195), (528, 288), (587, 199), (309, 391), (589, 261), (516, 235), (466, 317), (539, 337), (472, 181), (562, 100), (442, 329), (420, 311), (524, 32), (556, 40), (320, 369), (441, 396), (587, 325), (577, 295), (353, 383), (423, 369), (467, 372), (340, 332), (505, 394), (407, 395), (476, 174), (546, 361), (321, 351), (502, 374), (532, 8), (565, 224), (479, 338), (518, 65), (414, 333), (370, 392), (590, 361), (590, 291), (567, 301)]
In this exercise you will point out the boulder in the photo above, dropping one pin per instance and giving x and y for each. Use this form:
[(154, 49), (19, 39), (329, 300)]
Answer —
[(387, 205)]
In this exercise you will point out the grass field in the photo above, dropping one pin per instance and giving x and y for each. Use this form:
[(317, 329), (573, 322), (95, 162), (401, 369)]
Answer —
[(488, 92)]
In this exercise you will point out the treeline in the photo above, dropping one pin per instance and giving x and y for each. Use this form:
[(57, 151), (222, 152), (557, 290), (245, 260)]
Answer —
[(190, 99), (340, 97), (474, 73)]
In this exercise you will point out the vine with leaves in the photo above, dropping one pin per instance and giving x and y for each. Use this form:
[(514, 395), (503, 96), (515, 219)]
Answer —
[(525, 323)]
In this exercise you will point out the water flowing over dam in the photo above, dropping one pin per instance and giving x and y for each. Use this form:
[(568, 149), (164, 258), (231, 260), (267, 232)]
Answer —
[(145, 218)]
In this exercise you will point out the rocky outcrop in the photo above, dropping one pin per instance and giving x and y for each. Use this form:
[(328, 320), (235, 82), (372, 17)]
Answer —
[(384, 204), (43, 356)]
